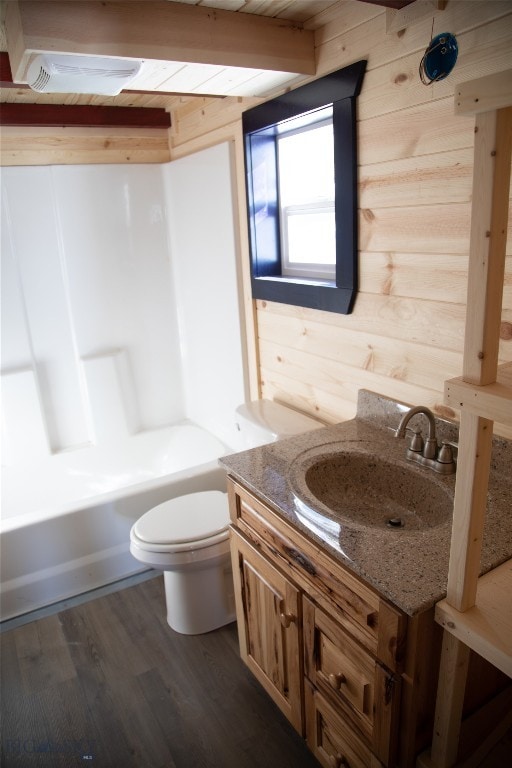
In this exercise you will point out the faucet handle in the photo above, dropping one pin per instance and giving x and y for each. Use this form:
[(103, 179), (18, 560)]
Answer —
[(445, 455)]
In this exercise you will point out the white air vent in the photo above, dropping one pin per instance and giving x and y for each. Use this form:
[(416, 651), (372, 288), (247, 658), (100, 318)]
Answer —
[(60, 73)]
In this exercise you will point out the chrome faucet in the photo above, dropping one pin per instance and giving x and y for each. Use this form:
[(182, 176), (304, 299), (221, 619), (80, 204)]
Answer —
[(427, 452)]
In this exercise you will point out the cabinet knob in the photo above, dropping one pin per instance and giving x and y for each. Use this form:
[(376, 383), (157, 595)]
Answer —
[(337, 761), (287, 619), (337, 680)]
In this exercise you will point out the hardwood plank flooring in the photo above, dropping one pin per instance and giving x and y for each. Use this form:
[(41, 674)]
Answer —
[(107, 683)]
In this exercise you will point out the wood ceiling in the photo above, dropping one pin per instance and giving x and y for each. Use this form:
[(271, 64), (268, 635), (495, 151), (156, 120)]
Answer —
[(145, 94)]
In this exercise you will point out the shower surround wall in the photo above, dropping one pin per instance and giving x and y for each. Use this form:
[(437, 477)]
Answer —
[(86, 296), (119, 303)]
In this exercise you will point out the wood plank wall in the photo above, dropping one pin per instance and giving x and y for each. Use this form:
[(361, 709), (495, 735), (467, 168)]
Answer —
[(405, 336), (82, 146)]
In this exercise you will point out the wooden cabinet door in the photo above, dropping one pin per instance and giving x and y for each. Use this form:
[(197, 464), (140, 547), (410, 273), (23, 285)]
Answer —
[(269, 627)]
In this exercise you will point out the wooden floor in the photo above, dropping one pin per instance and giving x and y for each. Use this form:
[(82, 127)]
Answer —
[(107, 683)]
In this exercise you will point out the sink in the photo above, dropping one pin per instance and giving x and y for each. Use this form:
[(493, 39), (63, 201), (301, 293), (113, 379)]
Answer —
[(367, 491)]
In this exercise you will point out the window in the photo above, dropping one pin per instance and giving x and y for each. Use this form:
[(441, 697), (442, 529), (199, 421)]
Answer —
[(301, 166)]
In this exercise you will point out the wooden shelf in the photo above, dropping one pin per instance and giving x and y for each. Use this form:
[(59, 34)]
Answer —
[(487, 627), (490, 401)]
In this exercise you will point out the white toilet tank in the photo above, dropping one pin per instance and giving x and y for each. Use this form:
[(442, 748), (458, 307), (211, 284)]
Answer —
[(264, 421)]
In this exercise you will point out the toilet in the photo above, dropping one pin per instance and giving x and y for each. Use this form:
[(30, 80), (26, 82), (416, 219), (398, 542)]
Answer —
[(188, 537)]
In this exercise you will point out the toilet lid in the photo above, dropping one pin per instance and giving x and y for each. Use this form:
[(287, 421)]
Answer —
[(186, 518)]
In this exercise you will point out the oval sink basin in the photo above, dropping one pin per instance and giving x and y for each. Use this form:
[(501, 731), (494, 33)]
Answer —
[(366, 491)]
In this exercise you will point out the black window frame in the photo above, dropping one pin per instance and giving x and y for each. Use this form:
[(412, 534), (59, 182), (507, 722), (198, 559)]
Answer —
[(260, 129)]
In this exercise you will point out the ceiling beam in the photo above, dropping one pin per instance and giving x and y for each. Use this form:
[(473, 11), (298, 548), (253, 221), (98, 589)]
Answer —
[(163, 31), (6, 81), (83, 116)]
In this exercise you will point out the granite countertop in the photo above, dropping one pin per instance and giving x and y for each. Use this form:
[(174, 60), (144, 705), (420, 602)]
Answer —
[(407, 566)]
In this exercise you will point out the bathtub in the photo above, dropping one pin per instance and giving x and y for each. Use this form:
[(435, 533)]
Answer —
[(66, 521)]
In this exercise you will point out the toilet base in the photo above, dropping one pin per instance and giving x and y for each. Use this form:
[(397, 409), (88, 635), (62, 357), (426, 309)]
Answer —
[(200, 600)]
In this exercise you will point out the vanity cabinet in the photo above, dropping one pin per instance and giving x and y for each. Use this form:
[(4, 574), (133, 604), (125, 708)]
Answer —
[(326, 647), (355, 676)]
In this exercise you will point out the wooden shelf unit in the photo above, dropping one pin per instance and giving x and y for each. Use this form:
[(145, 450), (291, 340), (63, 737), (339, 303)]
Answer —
[(477, 612)]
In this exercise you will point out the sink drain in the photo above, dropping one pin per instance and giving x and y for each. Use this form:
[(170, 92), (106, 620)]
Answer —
[(395, 522)]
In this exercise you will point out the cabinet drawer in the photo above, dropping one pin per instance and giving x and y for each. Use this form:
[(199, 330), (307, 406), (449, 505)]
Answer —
[(336, 663), (330, 738), (360, 688), (372, 621)]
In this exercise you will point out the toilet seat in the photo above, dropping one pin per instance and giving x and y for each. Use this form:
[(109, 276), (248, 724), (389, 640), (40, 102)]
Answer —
[(194, 521)]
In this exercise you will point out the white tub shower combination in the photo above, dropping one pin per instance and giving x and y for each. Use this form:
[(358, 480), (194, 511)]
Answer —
[(122, 361)]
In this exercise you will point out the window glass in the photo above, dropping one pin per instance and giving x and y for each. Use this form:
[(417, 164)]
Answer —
[(306, 199)]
